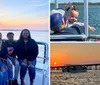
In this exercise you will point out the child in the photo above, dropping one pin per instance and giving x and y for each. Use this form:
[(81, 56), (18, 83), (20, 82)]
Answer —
[(71, 17)]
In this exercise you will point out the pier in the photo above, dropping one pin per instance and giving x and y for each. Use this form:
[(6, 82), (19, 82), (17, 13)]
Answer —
[(88, 66)]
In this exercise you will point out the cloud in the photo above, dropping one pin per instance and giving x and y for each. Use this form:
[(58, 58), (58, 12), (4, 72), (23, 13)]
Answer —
[(38, 5)]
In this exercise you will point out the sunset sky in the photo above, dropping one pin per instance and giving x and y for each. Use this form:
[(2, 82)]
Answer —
[(17, 14), (74, 53)]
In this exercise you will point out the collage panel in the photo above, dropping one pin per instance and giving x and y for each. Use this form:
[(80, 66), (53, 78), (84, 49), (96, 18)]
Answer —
[(75, 64), (74, 20), (24, 42)]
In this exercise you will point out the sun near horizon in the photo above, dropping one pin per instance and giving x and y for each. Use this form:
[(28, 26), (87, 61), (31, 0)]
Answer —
[(74, 53)]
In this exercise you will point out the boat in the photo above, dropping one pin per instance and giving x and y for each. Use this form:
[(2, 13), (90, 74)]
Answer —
[(74, 69)]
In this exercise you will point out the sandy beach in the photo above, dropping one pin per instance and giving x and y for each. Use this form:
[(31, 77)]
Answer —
[(91, 77)]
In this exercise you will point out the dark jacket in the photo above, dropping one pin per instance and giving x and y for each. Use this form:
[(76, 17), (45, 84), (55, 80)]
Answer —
[(11, 46), (73, 30), (27, 51), (66, 31), (3, 52)]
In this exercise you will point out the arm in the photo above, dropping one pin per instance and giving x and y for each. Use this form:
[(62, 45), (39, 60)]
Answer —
[(92, 29)]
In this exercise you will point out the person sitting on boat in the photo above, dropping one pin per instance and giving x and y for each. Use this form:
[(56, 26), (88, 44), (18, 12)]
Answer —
[(57, 24), (71, 17), (27, 51), (3, 63), (10, 43)]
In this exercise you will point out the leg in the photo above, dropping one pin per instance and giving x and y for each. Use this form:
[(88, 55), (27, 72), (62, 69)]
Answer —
[(32, 73), (23, 71), (1, 77), (10, 71), (3, 69), (16, 71)]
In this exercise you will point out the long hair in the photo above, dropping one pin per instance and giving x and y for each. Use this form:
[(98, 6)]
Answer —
[(21, 37)]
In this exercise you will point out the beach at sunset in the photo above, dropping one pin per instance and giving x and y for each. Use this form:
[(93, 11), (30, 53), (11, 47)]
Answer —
[(91, 77), (83, 60)]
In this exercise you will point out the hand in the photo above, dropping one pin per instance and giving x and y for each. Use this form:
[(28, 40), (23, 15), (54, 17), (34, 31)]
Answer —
[(29, 63), (92, 29)]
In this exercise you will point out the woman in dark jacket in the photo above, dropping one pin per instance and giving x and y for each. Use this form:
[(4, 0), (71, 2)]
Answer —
[(27, 51)]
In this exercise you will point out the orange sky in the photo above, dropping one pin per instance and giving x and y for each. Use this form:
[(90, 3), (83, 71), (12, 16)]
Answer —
[(6, 24), (74, 53)]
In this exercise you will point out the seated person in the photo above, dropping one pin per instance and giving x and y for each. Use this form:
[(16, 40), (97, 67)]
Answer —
[(57, 24)]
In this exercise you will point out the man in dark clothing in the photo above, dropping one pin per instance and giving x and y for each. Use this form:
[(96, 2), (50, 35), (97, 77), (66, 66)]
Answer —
[(10, 43)]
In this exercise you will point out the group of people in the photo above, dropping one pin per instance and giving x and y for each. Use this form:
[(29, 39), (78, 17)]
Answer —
[(65, 21), (15, 55)]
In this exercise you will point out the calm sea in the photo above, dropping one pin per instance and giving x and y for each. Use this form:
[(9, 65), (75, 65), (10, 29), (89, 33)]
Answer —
[(42, 36), (94, 16)]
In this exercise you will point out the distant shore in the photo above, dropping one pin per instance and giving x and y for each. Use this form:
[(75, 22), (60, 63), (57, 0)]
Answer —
[(77, 3)]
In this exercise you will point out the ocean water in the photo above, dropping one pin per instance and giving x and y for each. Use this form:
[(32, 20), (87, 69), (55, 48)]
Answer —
[(93, 16), (42, 36)]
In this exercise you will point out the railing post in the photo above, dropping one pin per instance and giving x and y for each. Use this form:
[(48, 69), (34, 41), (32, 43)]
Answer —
[(86, 17), (56, 4)]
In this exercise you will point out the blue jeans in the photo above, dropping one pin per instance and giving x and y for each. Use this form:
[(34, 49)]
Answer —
[(13, 69), (10, 69), (31, 70), (3, 73), (1, 77), (16, 69)]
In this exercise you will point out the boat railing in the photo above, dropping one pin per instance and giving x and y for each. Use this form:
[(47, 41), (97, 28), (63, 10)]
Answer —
[(75, 37), (45, 58)]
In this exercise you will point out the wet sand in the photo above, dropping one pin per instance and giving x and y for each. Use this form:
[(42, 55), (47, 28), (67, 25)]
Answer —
[(91, 77)]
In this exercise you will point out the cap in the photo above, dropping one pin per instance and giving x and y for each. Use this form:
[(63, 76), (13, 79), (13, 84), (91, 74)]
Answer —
[(56, 18)]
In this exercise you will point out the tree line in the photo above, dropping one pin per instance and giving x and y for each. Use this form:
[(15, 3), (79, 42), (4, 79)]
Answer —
[(77, 3)]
